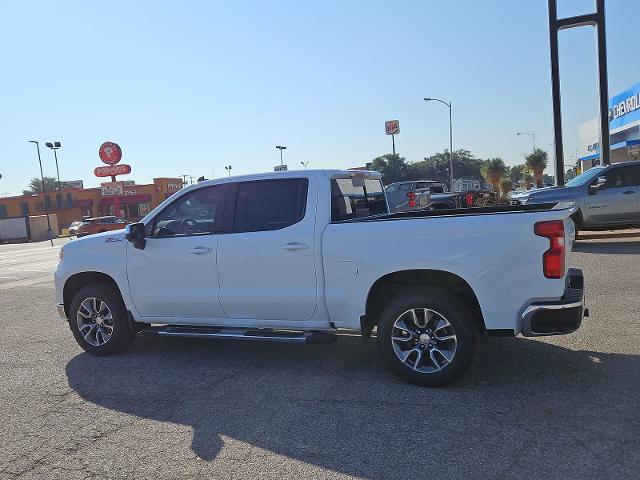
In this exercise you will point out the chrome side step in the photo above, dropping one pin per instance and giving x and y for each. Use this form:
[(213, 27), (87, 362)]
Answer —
[(263, 335)]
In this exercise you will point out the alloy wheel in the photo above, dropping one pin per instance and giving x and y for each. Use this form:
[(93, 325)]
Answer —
[(424, 340), (95, 321)]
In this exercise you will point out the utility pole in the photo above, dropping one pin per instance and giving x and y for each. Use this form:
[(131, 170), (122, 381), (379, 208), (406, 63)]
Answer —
[(429, 99), (44, 193), (55, 146)]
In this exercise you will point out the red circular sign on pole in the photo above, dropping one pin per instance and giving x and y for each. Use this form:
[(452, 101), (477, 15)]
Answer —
[(110, 153)]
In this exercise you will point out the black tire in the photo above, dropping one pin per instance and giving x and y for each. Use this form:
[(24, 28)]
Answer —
[(449, 308), (121, 335), (577, 222)]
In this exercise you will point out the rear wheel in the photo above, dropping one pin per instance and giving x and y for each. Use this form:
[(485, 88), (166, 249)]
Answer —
[(426, 336), (98, 319)]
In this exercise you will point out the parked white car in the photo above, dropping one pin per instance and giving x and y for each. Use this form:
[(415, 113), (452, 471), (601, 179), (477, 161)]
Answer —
[(296, 256)]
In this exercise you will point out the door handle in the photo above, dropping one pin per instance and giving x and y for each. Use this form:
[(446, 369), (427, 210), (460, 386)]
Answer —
[(200, 250), (629, 192), (295, 246)]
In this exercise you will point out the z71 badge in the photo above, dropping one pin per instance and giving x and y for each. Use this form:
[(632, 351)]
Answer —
[(113, 239)]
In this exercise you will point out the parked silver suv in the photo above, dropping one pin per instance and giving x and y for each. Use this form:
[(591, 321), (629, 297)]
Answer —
[(607, 197)]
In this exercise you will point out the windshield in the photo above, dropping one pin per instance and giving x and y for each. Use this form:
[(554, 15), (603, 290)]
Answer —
[(584, 177)]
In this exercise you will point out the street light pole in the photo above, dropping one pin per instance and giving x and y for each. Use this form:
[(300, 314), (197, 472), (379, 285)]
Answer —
[(429, 99), (55, 146), (281, 148), (228, 169), (533, 137), (44, 193), (304, 164)]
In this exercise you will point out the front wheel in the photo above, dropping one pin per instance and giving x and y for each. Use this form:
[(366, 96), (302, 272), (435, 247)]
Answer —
[(98, 320), (578, 223), (426, 336)]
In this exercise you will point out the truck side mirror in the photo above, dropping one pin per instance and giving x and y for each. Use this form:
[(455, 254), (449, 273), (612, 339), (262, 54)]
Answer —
[(597, 185), (134, 232)]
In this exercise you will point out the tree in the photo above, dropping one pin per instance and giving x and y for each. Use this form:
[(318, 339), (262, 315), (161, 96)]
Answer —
[(493, 170), (436, 167), (570, 174), (516, 173), (506, 185), (35, 185), (393, 168), (527, 178), (536, 163)]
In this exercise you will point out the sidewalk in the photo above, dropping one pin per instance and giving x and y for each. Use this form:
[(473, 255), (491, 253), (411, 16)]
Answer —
[(26, 246)]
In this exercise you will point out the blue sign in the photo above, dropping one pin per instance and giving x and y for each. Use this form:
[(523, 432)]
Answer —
[(624, 108)]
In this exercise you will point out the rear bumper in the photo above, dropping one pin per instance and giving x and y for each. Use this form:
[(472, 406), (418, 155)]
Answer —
[(557, 317)]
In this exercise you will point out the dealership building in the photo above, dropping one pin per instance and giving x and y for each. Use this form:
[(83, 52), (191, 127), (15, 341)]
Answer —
[(71, 204), (624, 126)]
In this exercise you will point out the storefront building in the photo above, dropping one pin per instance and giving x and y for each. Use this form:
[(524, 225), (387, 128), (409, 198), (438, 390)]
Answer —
[(624, 126), (73, 204)]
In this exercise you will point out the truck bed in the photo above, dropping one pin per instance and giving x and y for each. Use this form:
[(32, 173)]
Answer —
[(459, 212)]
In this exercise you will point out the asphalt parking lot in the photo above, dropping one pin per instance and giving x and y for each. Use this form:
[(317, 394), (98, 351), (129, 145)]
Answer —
[(558, 407)]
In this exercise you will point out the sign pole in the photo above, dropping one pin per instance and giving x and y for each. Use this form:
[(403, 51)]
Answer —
[(111, 154), (116, 203), (393, 143)]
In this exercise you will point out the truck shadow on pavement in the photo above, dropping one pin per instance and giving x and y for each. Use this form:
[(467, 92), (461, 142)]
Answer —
[(526, 405), (608, 247)]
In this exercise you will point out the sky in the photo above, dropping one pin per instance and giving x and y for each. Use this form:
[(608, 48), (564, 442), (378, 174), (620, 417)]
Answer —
[(189, 87)]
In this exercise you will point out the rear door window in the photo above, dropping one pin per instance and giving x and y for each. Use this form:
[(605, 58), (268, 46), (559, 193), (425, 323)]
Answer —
[(270, 204), (356, 198)]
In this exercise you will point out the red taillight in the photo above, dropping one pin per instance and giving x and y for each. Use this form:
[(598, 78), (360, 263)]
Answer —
[(412, 198), (469, 198), (552, 259)]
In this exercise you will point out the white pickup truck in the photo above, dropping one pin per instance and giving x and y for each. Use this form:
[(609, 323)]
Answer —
[(299, 256)]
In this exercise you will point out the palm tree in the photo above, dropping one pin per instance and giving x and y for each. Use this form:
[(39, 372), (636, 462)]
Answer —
[(527, 178), (493, 170), (506, 185), (536, 163)]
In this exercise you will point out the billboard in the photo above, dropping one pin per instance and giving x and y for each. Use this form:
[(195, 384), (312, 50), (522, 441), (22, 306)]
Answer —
[(73, 184)]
